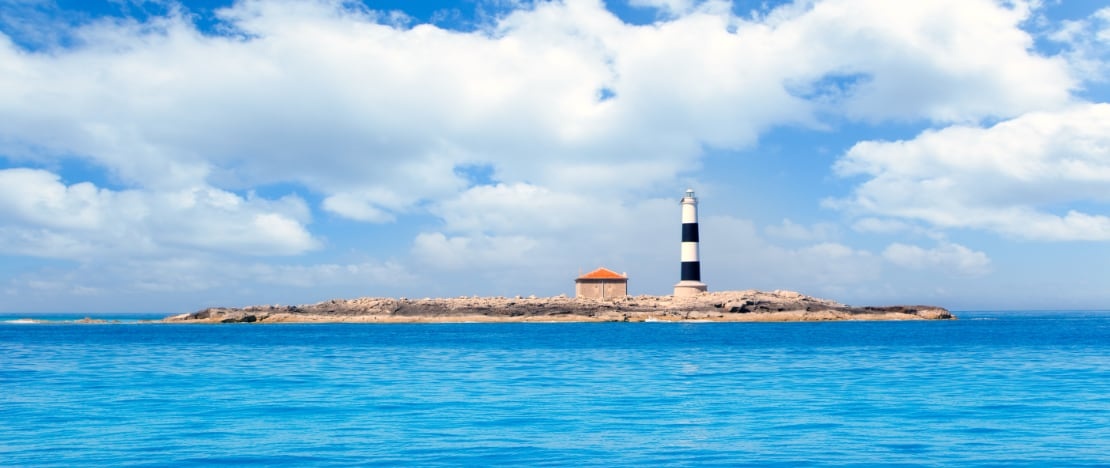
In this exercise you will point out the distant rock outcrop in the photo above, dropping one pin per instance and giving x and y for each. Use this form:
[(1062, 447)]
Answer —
[(724, 306)]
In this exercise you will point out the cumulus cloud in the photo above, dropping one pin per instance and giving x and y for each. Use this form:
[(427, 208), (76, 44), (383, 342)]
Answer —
[(949, 61), (45, 217), (370, 206), (736, 256), (474, 252), (521, 207), (1010, 178), (1087, 43), (186, 283), (562, 101), (947, 256), (380, 116), (793, 231)]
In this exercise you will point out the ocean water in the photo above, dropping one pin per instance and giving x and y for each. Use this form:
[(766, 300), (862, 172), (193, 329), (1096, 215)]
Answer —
[(991, 389)]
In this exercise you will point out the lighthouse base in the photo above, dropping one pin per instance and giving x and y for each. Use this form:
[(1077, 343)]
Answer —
[(689, 288)]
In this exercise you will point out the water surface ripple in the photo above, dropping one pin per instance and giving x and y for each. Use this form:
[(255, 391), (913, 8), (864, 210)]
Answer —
[(992, 389)]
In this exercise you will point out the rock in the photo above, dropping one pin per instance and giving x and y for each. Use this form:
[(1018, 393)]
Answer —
[(748, 305)]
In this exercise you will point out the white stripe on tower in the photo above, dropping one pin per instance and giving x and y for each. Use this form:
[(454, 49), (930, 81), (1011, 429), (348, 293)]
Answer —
[(689, 208), (691, 264), (690, 253)]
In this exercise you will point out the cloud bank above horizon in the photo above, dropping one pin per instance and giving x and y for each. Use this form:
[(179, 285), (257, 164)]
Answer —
[(172, 153)]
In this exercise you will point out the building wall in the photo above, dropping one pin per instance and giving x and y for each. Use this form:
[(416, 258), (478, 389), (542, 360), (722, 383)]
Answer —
[(587, 289), (616, 289), (600, 289)]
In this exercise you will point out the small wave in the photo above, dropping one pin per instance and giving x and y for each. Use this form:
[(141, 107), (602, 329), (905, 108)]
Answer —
[(23, 321)]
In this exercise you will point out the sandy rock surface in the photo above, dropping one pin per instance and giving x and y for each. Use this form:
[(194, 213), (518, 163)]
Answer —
[(723, 306)]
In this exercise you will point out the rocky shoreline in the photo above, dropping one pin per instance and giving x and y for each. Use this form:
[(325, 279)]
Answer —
[(723, 306)]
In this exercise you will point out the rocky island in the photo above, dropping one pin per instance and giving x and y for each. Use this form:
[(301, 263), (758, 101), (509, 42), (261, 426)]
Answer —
[(723, 306)]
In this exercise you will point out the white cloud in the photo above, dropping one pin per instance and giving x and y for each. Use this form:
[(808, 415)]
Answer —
[(365, 274), (187, 283), (667, 7), (543, 237), (1010, 178), (45, 217), (1088, 45), (581, 118), (477, 252), (735, 256), (880, 225), (947, 256), (949, 61), (378, 117), (37, 197), (521, 207), (362, 206), (793, 231)]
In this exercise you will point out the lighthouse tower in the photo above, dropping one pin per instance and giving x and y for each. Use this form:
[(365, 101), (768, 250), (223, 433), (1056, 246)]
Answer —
[(691, 267)]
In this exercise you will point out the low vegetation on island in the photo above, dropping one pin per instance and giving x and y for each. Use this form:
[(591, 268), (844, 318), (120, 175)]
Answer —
[(723, 306)]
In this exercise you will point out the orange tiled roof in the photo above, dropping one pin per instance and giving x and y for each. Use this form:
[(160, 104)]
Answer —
[(603, 273)]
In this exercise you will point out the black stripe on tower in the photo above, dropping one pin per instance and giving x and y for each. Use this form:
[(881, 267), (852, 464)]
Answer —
[(691, 271), (689, 232)]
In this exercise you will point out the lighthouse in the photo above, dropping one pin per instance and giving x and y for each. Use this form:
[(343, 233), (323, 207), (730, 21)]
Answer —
[(690, 283)]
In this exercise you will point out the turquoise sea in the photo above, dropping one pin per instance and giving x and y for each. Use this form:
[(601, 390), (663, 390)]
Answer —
[(990, 389)]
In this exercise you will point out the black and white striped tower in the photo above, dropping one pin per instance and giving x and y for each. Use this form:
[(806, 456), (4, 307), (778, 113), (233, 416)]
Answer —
[(690, 283)]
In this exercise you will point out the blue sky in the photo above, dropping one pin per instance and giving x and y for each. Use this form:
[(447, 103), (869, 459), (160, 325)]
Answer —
[(160, 156)]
